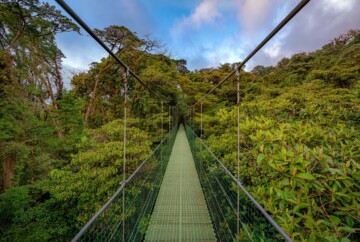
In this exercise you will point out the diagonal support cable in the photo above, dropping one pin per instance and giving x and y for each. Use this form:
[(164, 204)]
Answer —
[(239, 184), (292, 14), (71, 12)]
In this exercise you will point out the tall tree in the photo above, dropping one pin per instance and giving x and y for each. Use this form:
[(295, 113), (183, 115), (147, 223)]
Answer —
[(27, 40)]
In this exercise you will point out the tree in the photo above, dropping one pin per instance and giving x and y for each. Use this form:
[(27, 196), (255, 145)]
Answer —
[(181, 66), (28, 43), (262, 70)]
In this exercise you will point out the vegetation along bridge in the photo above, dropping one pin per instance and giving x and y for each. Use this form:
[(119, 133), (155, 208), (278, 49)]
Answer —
[(182, 191)]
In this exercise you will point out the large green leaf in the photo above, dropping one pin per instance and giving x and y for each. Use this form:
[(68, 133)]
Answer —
[(305, 176), (260, 157)]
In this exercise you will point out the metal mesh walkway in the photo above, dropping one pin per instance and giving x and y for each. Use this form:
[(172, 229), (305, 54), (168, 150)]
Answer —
[(180, 212)]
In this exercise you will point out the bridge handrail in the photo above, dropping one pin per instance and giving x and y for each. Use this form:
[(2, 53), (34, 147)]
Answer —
[(116, 194), (239, 184)]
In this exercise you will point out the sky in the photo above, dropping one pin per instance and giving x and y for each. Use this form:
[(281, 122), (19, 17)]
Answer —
[(208, 33)]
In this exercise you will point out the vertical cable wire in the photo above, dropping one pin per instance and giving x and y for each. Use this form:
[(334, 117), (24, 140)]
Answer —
[(193, 124), (201, 120), (193, 117), (126, 75), (170, 119), (188, 116), (238, 146), (162, 130), (162, 120), (169, 126), (190, 108), (201, 132)]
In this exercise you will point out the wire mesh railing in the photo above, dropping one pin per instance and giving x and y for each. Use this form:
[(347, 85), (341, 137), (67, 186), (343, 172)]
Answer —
[(140, 191), (126, 215), (236, 215), (221, 191)]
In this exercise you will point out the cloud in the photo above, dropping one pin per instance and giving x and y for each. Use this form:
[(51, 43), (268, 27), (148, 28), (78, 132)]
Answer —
[(273, 50), (216, 31), (206, 12), (317, 24), (67, 73), (252, 15), (338, 5), (251, 18), (79, 50)]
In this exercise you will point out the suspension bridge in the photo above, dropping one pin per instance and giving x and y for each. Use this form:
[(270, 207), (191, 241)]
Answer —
[(182, 191)]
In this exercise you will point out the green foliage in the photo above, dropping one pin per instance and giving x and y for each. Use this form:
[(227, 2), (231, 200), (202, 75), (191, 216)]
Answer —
[(71, 118), (300, 146), (297, 162), (72, 194), (13, 204), (95, 172), (299, 128), (339, 77)]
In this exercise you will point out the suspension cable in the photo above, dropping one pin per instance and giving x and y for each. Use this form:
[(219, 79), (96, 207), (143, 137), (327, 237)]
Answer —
[(102, 44), (297, 9), (243, 189), (193, 116), (201, 119), (170, 121), (201, 132), (125, 81), (169, 128), (162, 129), (238, 144)]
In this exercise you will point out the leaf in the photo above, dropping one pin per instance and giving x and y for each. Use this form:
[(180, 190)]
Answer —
[(260, 157), (348, 229), (345, 240), (305, 176), (332, 239), (349, 221), (342, 194), (335, 219)]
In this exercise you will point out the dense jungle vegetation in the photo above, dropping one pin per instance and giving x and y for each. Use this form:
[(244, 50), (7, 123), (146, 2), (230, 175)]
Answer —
[(300, 144), (59, 149)]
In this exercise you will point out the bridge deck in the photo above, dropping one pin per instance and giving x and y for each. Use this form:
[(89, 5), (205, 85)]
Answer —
[(180, 212)]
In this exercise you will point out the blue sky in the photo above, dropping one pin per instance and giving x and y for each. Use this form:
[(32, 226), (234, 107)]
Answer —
[(209, 32)]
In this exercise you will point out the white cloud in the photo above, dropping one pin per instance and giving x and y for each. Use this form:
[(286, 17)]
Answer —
[(273, 50), (206, 12), (338, 5), (252, 15), (314, 26), (227, 51), (80, 53), (67, 73)]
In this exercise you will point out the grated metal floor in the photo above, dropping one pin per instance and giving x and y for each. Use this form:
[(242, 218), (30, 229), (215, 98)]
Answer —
[(180, 212)]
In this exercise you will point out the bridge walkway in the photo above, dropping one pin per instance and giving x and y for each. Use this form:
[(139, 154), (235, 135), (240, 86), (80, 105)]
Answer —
[(180, 212)]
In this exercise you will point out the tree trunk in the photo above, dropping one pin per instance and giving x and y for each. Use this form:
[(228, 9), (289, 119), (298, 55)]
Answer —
[(8, 172), (48, 86), (90, 107), (92, 99)]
